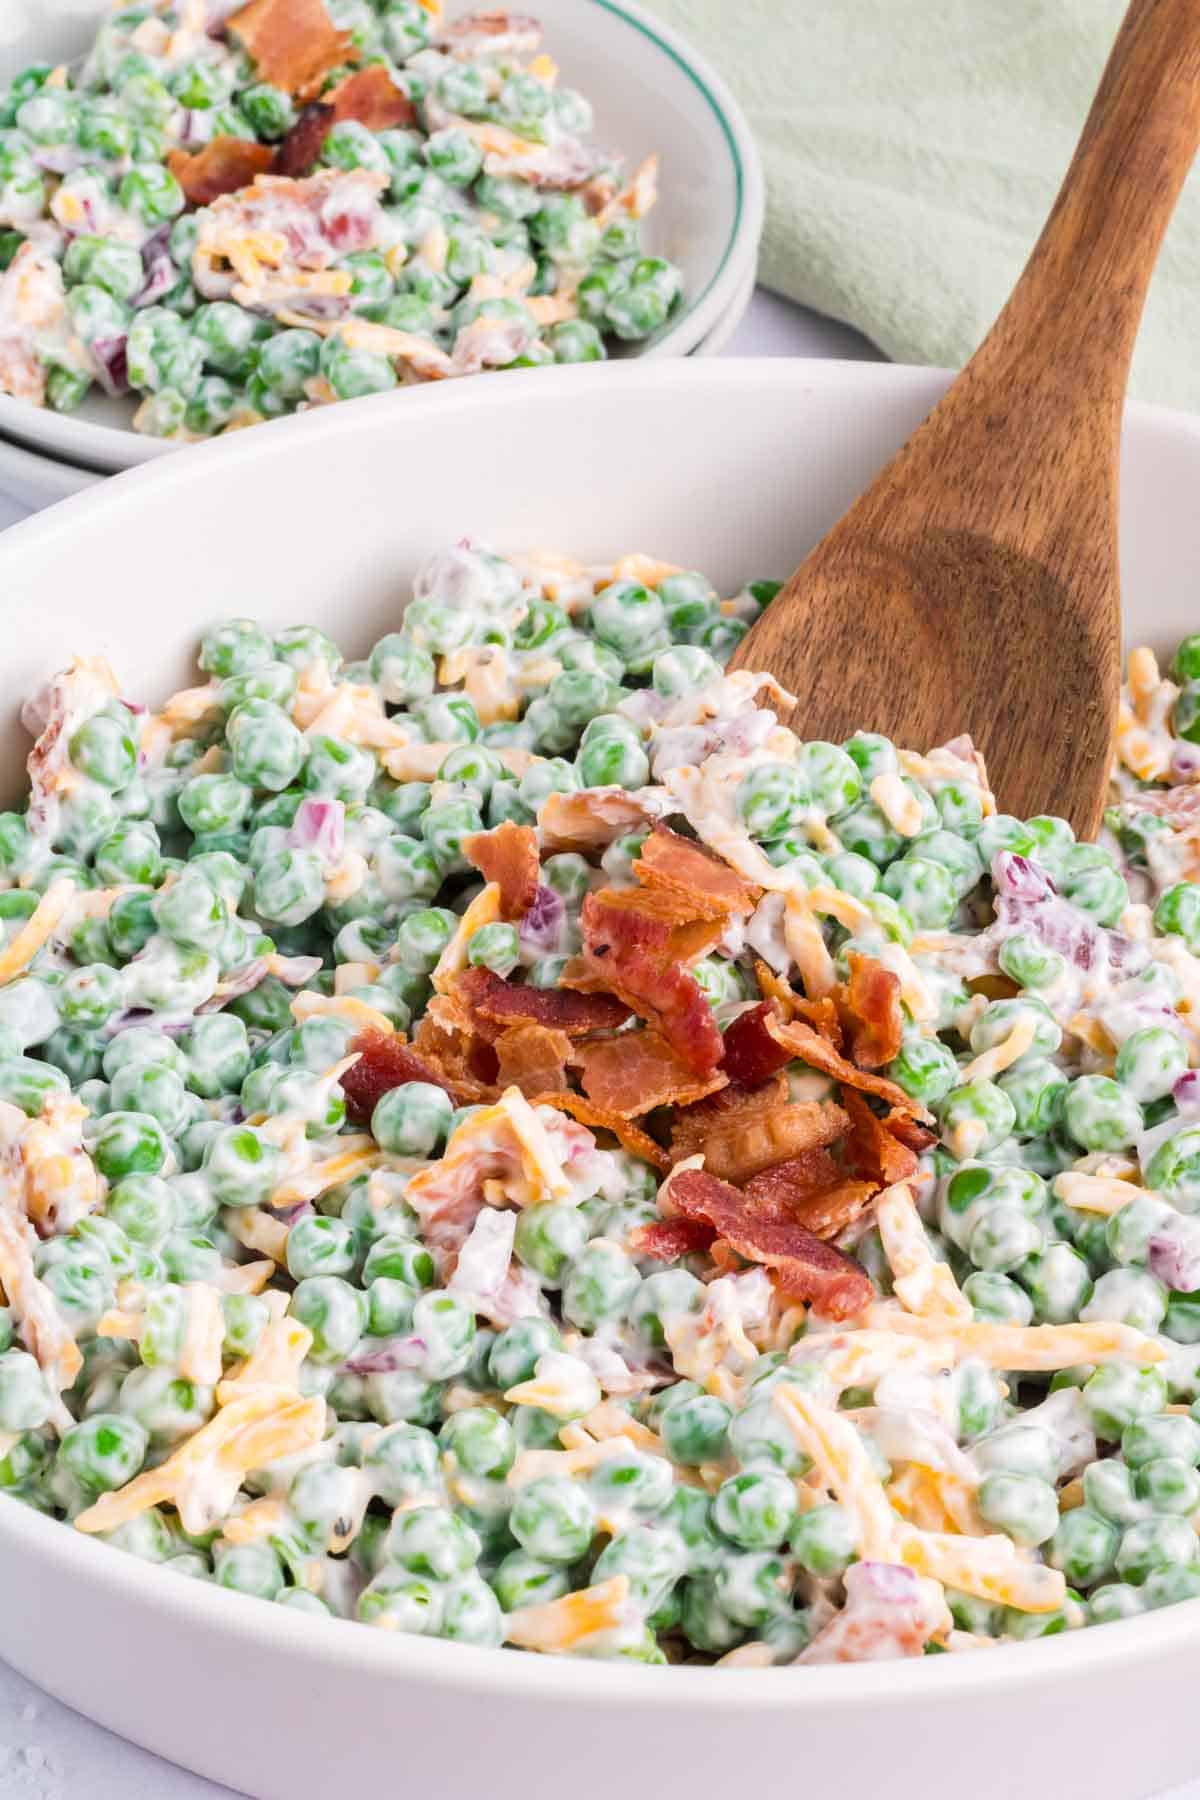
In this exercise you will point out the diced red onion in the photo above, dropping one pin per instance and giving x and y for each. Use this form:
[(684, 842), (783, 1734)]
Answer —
[(111, 367), (392, 1355), (1174, 1260), (541, 928), (320, 825)]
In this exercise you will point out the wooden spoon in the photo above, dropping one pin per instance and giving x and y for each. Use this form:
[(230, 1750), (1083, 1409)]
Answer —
[(974, 586)]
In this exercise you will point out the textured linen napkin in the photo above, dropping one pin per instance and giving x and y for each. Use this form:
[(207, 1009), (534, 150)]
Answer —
[(913, 149)]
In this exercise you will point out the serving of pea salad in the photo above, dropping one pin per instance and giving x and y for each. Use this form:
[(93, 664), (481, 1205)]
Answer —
[(229, 214), (505, 1141)]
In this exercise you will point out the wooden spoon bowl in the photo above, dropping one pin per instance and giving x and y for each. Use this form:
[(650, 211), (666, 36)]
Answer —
[(974, 587)]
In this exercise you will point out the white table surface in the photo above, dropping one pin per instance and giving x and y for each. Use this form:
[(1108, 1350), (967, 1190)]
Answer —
[(49, 1752)]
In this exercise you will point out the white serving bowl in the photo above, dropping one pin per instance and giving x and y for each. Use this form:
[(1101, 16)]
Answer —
[(734, 468), (651, 92)]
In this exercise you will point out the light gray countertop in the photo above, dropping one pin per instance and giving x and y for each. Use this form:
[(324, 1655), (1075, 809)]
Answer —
[(49, 1752)]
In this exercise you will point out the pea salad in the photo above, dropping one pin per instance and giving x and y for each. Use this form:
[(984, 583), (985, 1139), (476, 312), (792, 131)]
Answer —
[(231, 214), (505, 1141)]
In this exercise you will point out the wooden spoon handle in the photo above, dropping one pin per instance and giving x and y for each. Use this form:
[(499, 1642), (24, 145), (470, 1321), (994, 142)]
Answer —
[(1074, 314)]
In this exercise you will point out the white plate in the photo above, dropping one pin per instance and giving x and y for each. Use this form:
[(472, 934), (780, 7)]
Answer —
[(36, 481), (735, 468), (723, 331), (651, 92)]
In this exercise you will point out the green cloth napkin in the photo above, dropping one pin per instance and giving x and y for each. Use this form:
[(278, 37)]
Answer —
[(913, 149)]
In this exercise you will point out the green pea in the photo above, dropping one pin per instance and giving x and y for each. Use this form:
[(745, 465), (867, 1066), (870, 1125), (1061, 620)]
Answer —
[(1058, 1283), (481, 1441), (513, 1358), (1115, 1396), (977, 1116), (240, 1165), (824, 1540), (925, 1068), (104, 1452), (1154, 1544), (1150, 1062), (334, 1312), (757, 1509)]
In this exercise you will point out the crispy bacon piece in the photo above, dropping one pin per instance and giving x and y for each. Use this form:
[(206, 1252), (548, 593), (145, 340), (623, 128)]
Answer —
[(740, 1133), (292, 43), (910, 1131), (385, 1062), (301, 148), (372, 97), (800, 1040), (810, 1190), (632, 1138), (872, 1150), (822, 1015), (368, 95), (532, 1058), (709, 888), (804, 1268), (775, 987), (778, 1190), (590, 818), (869, 1007), (494, 1003), (668, 1239), (664, 921), (509, 857), (221, 167), (444, 1040), (636, 1071), (752, 1055), (630, 953)]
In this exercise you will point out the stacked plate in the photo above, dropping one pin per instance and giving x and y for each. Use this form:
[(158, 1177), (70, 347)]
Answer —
[(650, 91)]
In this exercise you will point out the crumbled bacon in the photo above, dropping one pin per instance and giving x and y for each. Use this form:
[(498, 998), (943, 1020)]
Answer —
[(532, 1058), (631, 1137), (629, 951), (803, 1267), (590, 818), (707, 886), (445, 1041), (811, 1192), (494, 1003), (869, 1006), (663, 921), (300, 150), (385, 1062), (910, 1131), (752, 1055), (872, 1150), (740, 1132), (779, 1190), (822, 1015), (636, 1071), (221, 167), (509, 857), (368, 95), (292, 43), (668, 1239), (800, 1040)]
